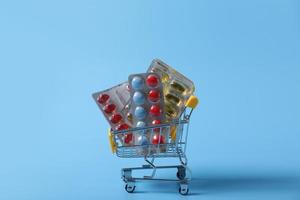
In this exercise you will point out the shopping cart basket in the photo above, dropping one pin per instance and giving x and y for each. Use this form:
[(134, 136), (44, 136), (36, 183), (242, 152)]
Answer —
[(175, 135)]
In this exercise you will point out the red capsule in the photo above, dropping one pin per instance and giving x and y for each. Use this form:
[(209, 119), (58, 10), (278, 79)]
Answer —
[(158, 139), (153, 95), (109, 108), (155, 110), (102, 98), (128, 138), (122, 127), (152, 80), (115, 118), (156, 122)]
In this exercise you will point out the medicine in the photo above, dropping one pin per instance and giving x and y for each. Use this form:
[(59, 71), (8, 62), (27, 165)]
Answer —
[(128, 138), (156, 122), (147, 99), (140, 113), (138, 98), (153, 96), (103, 98), (122, 127), (152, 80), (137, 83), (140, 124), (155, 110), (114, 104), (109, 108), (177, 88), (158, 139), (115, 118)]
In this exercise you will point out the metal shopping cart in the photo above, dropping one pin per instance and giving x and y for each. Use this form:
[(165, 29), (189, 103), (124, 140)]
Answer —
[(175, 135)]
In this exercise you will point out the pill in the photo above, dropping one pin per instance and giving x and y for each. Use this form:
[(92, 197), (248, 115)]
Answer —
[(158, 139), (137, 83), (109, 108), (172, 98), (142, 140), (138, 98), (128, 138), (156, 122), (171, 110), (153, 95), (102, 98), (113, 103), (152, 80), (115, 118), (140, 112), (122, 127), (140, 124), (177, 87), (165, 77), (129, 117), (155, 110)]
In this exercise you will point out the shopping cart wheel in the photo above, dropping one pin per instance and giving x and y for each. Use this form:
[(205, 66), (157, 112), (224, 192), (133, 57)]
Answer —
[(181, 173), (129, 187), (183, 189)]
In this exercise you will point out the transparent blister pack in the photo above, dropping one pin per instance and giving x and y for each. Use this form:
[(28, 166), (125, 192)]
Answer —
[(114, 104), (177, 88), (147, 107)]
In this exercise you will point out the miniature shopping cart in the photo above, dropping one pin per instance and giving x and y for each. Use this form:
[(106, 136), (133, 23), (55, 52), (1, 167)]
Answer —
[(176, 134)]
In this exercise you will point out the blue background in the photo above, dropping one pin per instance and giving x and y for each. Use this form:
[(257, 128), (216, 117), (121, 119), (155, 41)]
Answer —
[(242, 55)]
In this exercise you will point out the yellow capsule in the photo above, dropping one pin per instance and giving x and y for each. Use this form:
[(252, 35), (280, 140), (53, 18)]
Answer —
[(172, 98), (177, 87), (165, 78), (173, 133), (129, 117), (171, 110)]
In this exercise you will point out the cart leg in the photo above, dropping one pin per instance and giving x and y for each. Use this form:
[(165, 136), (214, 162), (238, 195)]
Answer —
[(126, 175), (151, 165), (182, 158), (181, 172), (129, 182)]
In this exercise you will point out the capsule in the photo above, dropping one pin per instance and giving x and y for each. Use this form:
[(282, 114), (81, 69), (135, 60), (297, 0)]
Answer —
[(103, 98), (129, 117), (115, 118), (171, 110), (172, 98), (178, 87), (108, 109)]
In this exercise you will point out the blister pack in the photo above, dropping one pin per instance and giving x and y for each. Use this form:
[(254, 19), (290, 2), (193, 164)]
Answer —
[(147, 105), (113, 103), (177, 88)]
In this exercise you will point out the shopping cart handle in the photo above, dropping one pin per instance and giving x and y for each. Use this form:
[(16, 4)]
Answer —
[(192, 102), (111, 141)]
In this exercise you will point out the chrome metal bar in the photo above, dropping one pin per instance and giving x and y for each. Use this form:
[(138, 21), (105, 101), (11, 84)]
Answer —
[(152, 165)]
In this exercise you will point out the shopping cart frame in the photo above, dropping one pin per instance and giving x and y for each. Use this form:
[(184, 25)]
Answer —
[(176, 147)]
